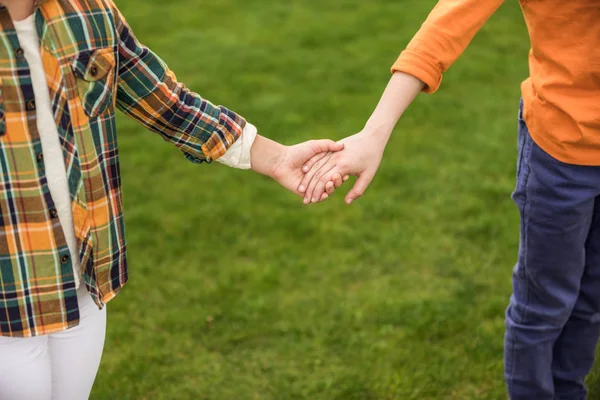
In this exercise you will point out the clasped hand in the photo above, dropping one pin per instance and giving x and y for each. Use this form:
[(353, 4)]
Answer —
[(315, 169), (327, 171)]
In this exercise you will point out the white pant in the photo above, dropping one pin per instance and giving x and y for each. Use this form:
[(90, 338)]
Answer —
[(60, 366)]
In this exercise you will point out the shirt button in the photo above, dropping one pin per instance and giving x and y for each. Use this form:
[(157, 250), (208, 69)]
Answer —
[(19, 52), (40, 157), (30, 105), (94, 71), (53, 213), (64, 259)]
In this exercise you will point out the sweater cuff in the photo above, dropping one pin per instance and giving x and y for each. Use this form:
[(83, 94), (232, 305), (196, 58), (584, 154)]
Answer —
[(238, 155), (421, 67)]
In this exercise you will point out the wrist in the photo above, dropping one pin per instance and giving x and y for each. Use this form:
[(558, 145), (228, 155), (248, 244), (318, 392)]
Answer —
[(378, 130), (267, 156), (398, 95), (280, 153)]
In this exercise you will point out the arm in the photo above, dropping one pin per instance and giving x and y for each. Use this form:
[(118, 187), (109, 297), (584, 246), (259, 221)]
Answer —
[(443, 37), (362, 152), (149, 92), (284, 163), (399, 93)]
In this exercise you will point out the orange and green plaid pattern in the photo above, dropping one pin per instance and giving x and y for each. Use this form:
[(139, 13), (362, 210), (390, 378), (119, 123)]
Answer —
[(93, 65)]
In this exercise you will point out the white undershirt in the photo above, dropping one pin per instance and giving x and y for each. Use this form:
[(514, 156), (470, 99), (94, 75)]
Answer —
[(237, 156), (53, 155)]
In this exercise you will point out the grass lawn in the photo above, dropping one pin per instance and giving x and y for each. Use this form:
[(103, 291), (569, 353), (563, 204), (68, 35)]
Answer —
[(238, 291)]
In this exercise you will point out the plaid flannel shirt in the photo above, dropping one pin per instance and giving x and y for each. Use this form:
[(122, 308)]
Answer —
[(93, 64)]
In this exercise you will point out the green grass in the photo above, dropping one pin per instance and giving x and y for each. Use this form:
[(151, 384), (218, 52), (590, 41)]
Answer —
[(237, 291)]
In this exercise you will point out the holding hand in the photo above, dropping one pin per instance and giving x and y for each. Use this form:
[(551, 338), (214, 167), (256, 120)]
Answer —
[(314, 169), (362, 152), (360, 157), (284, 163)]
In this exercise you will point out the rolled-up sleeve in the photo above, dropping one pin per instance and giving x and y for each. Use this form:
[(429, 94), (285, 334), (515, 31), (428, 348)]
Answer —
[(443, 37), (239, 155), (149, 92)]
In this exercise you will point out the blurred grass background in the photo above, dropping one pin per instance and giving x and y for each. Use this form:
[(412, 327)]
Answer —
[(238, 291)]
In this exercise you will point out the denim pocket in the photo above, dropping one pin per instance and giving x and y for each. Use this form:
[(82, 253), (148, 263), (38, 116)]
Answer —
[(524, 144), (522, 141)]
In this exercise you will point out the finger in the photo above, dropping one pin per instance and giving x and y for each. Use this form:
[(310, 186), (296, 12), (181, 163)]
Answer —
[(319, 191), (332, 184), (362, 183), (324, 197), (312, 161), (310, 173), (316, 186), (329, 188), (332, 181), (325, 145), (316, 170), (337, 180)]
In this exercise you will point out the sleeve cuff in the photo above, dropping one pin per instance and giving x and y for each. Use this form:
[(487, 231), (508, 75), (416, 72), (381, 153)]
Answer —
[(238, 155), (414, 64)]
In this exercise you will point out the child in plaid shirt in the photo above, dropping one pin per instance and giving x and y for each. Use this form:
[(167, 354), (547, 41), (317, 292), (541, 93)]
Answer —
[(65, 66)]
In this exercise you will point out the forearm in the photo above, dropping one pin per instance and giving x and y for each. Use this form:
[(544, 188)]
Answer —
[(148, 92), (400, 92), (442, 38), (266, 155)]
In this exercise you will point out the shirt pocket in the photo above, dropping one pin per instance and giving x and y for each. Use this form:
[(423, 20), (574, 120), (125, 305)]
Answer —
[(95, 73)]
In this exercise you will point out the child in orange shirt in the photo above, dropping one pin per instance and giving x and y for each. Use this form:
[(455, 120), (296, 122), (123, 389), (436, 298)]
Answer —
[(553, 319)]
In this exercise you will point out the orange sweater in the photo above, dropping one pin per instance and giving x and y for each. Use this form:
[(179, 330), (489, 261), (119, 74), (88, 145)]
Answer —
[(562, 94)]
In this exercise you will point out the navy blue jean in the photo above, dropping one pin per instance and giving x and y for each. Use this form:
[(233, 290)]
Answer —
[(553, 320)]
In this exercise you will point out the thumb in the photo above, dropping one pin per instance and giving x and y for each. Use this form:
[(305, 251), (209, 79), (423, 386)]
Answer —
[(361, 184), (324, 145)]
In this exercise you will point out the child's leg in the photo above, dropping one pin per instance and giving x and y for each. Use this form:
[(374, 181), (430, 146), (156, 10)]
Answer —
[(75, 353), (576, 346), (24, 368), (556, 202)]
